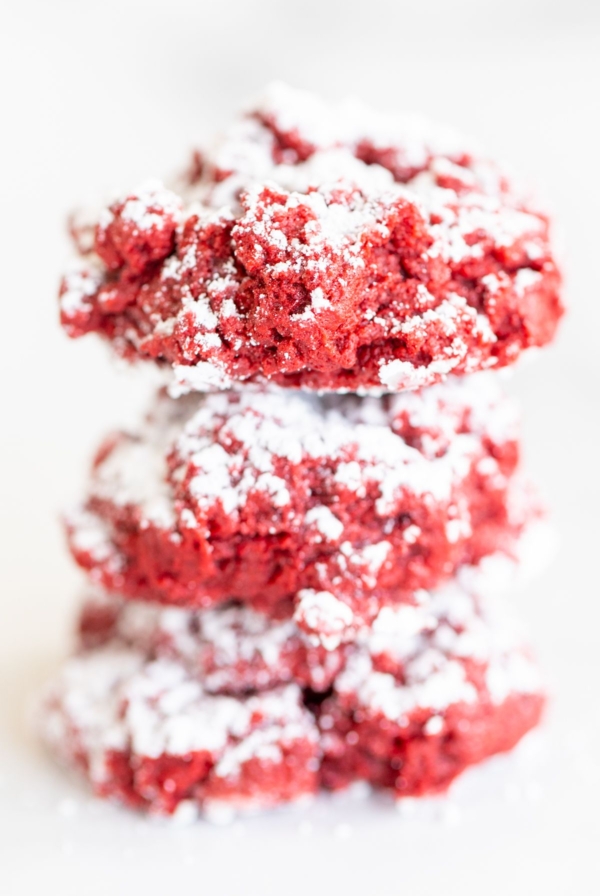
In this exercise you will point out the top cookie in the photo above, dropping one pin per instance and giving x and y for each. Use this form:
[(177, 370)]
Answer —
[(329, 248)]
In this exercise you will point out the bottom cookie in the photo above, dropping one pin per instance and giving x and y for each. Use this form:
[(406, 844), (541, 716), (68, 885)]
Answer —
[(147, 734), (434, 690), (427, 691)]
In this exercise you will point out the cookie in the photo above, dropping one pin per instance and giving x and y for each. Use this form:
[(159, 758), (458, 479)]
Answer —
[(291, 503), (147, 734), (332, 248), (432, 690), (164, 706), (231, 649)]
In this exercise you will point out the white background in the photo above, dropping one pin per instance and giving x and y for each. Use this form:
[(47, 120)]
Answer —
[(103, 95)]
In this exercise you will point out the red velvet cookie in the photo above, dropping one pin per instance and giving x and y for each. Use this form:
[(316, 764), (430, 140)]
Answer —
[(333, 248), (283, 500), (427, 691), (432, 690), (147, 734), (231, 649)]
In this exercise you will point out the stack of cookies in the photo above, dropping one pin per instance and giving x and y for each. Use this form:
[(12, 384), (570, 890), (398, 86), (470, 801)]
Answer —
[(295, 555)]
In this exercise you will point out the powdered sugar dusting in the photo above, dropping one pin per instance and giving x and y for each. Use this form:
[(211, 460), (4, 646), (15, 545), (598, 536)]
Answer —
[(80, 284), (329, 526), (140, 209), (231, 649), (324, 614), (115, 700), (429, 643), (274, 426)]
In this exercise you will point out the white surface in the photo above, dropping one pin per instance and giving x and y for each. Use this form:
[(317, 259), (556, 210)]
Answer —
[(104, 95)]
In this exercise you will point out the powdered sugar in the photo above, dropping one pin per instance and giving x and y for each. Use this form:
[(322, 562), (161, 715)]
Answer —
[(201, 377), (141, 208), (80, 284), (93, 536), (399, 375), (135, 476), (328, 525), (322, 613), (114, 699), (429, 643), (324, 124), (273, 426)]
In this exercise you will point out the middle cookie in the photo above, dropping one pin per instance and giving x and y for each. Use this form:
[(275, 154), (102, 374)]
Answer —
[(326, 507)]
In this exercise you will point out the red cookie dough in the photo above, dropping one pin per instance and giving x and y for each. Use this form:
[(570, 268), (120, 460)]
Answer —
[(231, 649), (328, 507), (333, 248), (434, 689), (147, 734)]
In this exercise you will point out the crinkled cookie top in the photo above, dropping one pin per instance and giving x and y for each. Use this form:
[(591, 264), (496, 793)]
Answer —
[(329, 247)]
